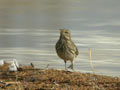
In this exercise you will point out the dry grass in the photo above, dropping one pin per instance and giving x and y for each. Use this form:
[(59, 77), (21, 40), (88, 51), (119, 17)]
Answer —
[(51, 79)]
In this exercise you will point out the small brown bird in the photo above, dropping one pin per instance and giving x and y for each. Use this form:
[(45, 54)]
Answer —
[(65, 48)]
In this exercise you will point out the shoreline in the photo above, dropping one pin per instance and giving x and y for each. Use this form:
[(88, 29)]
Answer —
[(30, 78)]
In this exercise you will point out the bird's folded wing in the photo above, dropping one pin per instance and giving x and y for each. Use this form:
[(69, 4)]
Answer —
[(72, 48)]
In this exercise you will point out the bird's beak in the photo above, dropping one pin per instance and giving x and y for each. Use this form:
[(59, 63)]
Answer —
[(60, 30)]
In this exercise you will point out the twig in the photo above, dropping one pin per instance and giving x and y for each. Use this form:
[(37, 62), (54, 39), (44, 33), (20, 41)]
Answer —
[(47, 66), (13, 82)]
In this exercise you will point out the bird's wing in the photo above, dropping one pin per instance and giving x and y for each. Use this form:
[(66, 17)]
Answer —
[(73, 49)]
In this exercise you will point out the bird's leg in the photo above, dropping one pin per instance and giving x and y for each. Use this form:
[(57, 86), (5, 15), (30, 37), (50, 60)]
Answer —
[(71, 66), (65, 65)]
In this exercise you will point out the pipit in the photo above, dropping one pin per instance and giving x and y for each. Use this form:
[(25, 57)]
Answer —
[(65, 48)]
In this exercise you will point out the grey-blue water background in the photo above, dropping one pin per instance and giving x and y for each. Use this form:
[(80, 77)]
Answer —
[(29, 30)]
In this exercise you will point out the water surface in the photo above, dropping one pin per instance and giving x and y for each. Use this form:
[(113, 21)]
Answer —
[(29, 31), (38, 46)]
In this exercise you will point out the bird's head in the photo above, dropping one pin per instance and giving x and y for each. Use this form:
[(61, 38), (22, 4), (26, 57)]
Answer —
[(65, 34)]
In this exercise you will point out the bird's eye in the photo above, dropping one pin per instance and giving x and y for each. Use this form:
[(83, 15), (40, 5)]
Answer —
[(66, 32)]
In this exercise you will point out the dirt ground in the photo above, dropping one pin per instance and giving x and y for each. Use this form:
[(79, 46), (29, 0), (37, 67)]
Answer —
[(30, 78)]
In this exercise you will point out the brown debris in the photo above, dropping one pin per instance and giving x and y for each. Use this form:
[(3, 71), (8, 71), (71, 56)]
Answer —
[(29, 78), (4, 67)]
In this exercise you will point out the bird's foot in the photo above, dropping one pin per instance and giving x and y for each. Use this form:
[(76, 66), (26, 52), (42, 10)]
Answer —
[(65, 69), (71, 67)]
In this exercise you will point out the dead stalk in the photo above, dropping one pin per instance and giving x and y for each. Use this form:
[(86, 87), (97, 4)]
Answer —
[(90, 58)]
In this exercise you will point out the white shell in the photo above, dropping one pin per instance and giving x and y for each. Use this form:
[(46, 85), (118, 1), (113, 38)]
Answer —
[(13, 64), (1, 62), (13, 67)]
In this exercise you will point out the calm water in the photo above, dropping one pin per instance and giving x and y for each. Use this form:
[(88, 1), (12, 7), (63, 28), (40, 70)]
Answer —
[(29, 31), (38, 46)]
